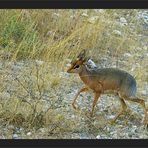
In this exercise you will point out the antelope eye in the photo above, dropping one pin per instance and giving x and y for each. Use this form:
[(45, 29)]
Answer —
[(77, 66)]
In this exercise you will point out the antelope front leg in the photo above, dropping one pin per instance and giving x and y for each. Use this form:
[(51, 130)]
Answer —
[(96, 97), (78, 93)]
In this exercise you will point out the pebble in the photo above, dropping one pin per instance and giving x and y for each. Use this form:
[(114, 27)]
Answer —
[(92, 63), (84, 14), (11, 127), (145, 48), (15, 136), (144, 92), (29, 134), (127, 55), (111, 116), (93, 19), (42, 130), (117, 32), (56, 14), (123, 20), (39, 62), (102, 137)]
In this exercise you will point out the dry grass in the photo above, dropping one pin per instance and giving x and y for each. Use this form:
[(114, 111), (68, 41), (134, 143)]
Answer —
[(37, 90)]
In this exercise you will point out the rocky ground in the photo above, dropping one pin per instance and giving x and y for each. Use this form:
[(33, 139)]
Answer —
[(36, 96), (56, 95)]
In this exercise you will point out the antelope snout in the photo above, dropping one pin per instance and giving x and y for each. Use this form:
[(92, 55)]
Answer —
[(69, 70)]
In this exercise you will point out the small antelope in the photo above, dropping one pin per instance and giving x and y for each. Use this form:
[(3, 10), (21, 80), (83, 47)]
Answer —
[(106, 79)]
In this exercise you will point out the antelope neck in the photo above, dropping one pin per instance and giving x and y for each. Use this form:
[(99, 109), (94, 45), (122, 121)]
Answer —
[(84, 74)]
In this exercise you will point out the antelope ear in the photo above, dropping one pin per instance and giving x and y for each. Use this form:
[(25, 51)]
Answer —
[(81, 55), (86, 59), (72, 61)]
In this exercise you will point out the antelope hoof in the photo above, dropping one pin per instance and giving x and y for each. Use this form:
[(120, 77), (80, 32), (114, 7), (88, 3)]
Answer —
[(91, 114), (74, 106)]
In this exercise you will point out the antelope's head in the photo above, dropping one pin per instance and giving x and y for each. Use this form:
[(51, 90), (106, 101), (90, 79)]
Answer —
[(78, 63)]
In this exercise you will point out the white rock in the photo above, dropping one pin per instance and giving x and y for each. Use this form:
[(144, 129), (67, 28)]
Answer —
[(42, 130), (145, 48), (123, 20), (141, 136), (21, 129), (101, 10), (10, 127), (93, 19), (111, 117), (29, 133), (102, 137), (92, 63), (72, 16), (39, 62), (84, 14), (117, 32), (72, 116), (144, 92), (98, 137), (56, 14), (15, 136), (136, 65), (127, 54)]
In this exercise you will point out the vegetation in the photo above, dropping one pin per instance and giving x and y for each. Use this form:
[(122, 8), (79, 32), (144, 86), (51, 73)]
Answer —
[(36, 91)]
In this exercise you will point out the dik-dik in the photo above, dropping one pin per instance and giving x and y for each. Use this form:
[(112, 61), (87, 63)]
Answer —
[(106, 79)]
